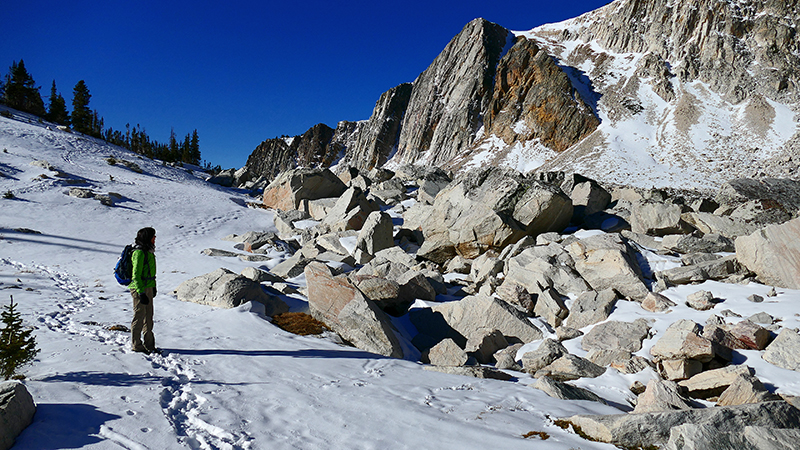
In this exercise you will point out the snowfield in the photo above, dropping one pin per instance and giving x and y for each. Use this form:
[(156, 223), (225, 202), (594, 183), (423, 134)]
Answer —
[(229, 379)]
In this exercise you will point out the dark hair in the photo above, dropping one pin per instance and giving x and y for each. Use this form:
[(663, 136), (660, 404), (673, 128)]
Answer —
[(144, 238)]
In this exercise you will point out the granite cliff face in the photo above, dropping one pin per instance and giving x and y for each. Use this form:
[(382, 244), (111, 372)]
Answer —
[(376, 140), (647, 92), (319, 146), (449, 98)]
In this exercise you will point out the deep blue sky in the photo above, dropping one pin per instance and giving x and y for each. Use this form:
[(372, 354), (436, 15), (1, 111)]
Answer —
[(241, 72)]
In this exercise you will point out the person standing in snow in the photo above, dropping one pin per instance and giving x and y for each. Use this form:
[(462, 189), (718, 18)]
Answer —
[(143, 290)]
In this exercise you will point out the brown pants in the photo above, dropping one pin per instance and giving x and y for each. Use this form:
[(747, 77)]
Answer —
[(142, 321)]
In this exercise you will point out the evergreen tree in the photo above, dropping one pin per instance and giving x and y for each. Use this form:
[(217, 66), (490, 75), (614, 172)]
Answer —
[(17, 345), (173, 154), (57, 112), (82, 116), (194, 149), (20, 91), (97, 125)]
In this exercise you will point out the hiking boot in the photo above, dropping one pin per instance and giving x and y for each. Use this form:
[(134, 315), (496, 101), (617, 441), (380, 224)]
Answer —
[(139, 348), (154, 350)]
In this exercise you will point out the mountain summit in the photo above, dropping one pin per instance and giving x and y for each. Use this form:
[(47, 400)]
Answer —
[(641, 92)]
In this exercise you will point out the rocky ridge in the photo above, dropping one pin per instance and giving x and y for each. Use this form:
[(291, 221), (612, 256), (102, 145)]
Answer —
[(642, 92)]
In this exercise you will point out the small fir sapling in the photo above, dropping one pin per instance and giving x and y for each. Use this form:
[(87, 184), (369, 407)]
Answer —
[(17, 344)]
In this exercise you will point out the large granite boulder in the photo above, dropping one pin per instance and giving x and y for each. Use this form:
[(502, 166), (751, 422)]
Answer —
[(616, 335), (656, 218), (661, 395), (294, 187), (607, 261), (683, 340), (565, 391), (335, 301), (16, 412), (784, 351), (225, 289), (490, 208), (539, 267), (475, 312), (773, 253), (591, 307), (653, 428), (709, 223), (376, 234)]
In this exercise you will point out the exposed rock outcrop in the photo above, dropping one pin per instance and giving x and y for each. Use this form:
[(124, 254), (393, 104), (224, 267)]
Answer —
[(534, 99), (449, 98), (378, 137)]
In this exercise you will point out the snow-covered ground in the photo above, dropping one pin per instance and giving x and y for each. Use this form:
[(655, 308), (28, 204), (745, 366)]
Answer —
[(229, 379)]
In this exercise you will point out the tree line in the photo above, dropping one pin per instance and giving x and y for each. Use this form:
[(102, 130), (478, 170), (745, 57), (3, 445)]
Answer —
[(19, 91)]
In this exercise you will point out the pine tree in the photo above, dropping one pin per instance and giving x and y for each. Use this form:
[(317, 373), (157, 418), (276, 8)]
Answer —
[(57, 112), (97, 125), (17, 345), (20, 91), (82, 116), (194, 149)]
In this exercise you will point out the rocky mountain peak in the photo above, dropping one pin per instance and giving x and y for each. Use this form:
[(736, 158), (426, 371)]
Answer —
[(658, 93), (449, 98)]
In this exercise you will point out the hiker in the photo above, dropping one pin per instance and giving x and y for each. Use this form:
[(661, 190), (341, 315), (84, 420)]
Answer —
[(143, 291)]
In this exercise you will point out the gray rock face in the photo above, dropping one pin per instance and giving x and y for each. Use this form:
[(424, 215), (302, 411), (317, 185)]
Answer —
[(782, 192), (661, 396), (487, 209), (607, 261), (376, 234), (615, 335), (655, 302), (379, 135), (447, 353), (703, 437), (472, 313), (730, 227), (773, 253), (687, 243), (484, 343), (565, 391), (448, 99), (746, 54), (225, 289), (711, 383), (700, 300), (591, 307), (682, 340), (589, 198), (535, 269), (293, 187), (16, 411), (784, 351), (570, 367), (716, 269), (340, 305), (547, 352), (531, 89), (746, 389), (656, 218), (646, 429), (750, 335), (274, 156), (550, 307)]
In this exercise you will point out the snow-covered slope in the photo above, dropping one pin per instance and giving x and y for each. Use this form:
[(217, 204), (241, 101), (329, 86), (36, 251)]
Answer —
[(229, 379), (687, 92)]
